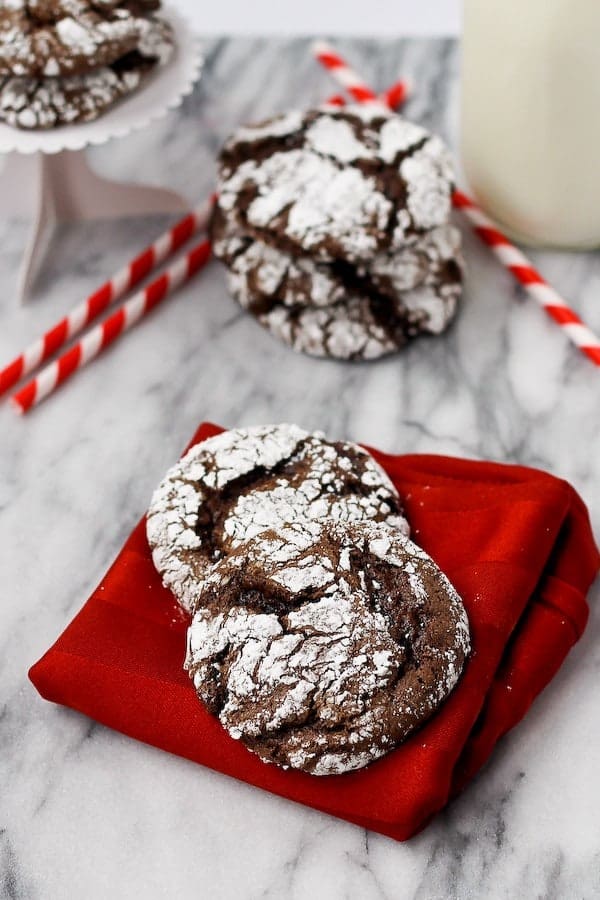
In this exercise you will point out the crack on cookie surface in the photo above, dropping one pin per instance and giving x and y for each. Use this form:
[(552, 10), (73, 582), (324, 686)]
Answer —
[(336, 652), (338, 307), (272, 479), (338, 184)]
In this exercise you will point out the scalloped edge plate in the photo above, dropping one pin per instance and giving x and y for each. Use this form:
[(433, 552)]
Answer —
[(164, 91)]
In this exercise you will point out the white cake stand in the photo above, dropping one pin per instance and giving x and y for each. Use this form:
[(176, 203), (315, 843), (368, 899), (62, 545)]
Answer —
[(47, 178)]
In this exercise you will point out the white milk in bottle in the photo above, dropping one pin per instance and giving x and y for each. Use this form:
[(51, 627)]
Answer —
[(531, 116)]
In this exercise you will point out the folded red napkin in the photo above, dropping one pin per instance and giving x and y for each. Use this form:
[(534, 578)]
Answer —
[(515, 542)]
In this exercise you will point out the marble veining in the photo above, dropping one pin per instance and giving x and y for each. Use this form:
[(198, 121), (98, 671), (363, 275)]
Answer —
[(88, 813)]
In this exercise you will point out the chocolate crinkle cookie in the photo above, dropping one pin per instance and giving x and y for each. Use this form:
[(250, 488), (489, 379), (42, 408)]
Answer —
[(233, 487), (334, 225), (339, 310), (67, 61), (323, 649)]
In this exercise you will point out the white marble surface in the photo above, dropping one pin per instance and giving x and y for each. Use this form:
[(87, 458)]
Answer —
[(87, 813)]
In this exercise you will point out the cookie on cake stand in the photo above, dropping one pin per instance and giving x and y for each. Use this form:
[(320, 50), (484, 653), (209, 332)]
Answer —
[(47, 178)]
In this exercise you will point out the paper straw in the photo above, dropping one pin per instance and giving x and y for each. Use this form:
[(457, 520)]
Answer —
[(343, 74), (113, 289), (130, 312), (397, 94), (505, 251), (520, 267), (392, 98), (103, 335)]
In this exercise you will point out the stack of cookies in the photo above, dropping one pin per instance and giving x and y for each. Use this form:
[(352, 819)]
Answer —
[(321, 636), (68, 61), (334, 227)]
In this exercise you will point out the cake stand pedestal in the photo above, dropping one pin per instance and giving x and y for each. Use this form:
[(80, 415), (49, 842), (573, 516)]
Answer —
[(49, 189), (46, 177)]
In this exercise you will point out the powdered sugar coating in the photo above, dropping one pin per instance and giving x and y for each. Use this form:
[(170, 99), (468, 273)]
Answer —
[(76, 37), (321, 201), (284, 125), (50, 11), (325, 653), (240, 484), (51, 98), (336, 183), (364, 313), (46, 103), (334, 227)]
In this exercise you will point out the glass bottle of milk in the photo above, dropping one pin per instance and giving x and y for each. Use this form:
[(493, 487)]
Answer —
[(531, 116)]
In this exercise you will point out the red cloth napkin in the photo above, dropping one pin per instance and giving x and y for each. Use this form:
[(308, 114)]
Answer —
[(515, 542)]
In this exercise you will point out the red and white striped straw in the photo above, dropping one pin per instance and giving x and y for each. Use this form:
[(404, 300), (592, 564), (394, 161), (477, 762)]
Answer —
[(113, 289), (510, 256), (393, 97), (128, 313), (536, 286), (396, 95), (100, 337), (336, 100), (343, 74)]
